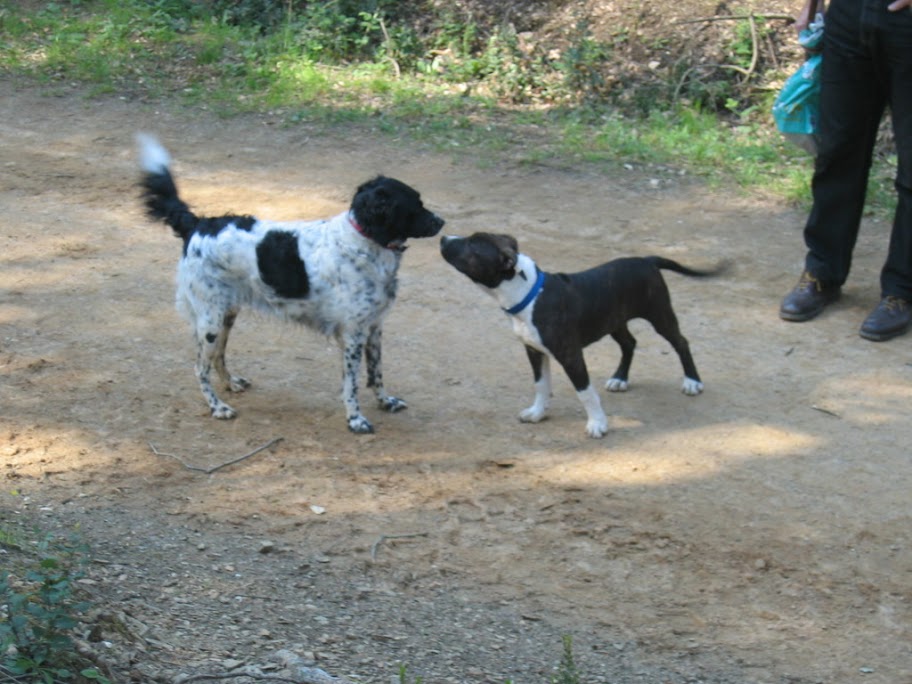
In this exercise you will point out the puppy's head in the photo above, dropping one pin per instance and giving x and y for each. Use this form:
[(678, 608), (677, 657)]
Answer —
[(389, 212), (486, 258)]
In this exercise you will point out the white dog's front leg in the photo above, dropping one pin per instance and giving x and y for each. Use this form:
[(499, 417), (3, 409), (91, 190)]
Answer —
[(352, 345), (373, 355), (597, 423), (539, 407)]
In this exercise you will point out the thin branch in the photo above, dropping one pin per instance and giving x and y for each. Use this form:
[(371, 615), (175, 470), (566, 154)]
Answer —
[(737, 17), (384, 537), (389, 47), (234, 675), (302, 675), (211, 470), (696, 67), (755, 47)]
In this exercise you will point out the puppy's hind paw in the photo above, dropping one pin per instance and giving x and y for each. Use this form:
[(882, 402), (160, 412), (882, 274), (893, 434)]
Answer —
[(691, 387), (223, 412), (392, 404), (616, 385), (360, 425)]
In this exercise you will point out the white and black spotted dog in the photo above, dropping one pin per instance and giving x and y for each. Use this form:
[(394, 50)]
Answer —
[(336, 275)]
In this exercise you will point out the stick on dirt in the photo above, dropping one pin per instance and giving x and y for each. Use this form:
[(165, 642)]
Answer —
[(211, 470), (384, 537)]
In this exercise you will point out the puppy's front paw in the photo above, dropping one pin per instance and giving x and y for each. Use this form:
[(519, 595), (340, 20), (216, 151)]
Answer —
[(691, 387), (360, 425), (238, 384), (596, 428), (392, 404), (533, 414), (223, 412), (616, 385)]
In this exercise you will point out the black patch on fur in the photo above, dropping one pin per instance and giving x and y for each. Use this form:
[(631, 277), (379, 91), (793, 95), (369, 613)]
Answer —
[(214, 226), (281, 266), (163, 203)]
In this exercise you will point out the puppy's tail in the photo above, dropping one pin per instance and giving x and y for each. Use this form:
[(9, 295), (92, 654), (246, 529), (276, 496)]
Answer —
[(159, 193), (670, 265)]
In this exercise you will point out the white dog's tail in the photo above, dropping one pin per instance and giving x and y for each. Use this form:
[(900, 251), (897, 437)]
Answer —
[(159, 191)]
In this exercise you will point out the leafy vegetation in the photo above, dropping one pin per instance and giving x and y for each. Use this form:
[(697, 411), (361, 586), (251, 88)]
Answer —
[(442, 74), (39, 610), (567, 672)]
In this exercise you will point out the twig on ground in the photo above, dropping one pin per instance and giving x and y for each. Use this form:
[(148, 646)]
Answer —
[(384, 537), (300, 674), (251, 675), (737, 17), (826, 411), (211, 470)]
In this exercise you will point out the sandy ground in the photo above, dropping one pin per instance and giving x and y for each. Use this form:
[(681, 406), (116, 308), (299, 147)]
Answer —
[(757, 533)]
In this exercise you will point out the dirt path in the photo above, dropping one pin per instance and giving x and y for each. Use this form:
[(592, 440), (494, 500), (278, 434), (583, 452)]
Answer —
[(759, 533)]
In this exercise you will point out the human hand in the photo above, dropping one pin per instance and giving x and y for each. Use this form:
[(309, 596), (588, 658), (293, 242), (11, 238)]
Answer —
[(809, 11), (899, 5)]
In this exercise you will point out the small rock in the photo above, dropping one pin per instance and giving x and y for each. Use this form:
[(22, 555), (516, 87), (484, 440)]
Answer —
[(267, 547)]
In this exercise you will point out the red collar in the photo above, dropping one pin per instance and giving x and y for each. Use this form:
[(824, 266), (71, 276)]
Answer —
[(391, 246)]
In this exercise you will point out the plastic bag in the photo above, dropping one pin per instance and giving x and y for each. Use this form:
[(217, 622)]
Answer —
[(797, 106)]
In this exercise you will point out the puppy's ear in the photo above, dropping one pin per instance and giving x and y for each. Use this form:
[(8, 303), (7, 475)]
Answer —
[(509, 249), (508, 259)]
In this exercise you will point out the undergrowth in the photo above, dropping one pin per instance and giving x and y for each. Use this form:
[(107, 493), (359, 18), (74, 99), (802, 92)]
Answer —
[(40, 608), (435, 72)]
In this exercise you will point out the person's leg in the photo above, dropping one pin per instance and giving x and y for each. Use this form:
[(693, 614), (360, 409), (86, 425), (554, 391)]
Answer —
[(852, 101), (896, 277), (893, 315)]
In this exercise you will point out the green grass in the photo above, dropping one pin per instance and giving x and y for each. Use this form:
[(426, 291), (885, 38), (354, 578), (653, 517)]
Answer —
[(173, 48)]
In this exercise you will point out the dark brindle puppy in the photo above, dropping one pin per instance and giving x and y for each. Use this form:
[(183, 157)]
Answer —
[(557, 314)]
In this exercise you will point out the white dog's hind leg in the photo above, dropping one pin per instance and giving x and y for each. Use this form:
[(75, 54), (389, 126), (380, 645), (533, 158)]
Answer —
[(372, 354), (235, 383), (208, 334)]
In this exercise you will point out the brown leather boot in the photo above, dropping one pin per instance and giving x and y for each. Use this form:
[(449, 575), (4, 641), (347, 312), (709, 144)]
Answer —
[(889, 319), (807, 299)]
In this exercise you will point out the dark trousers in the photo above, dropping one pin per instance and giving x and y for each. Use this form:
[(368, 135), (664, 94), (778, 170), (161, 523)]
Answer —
[(867, 66)]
